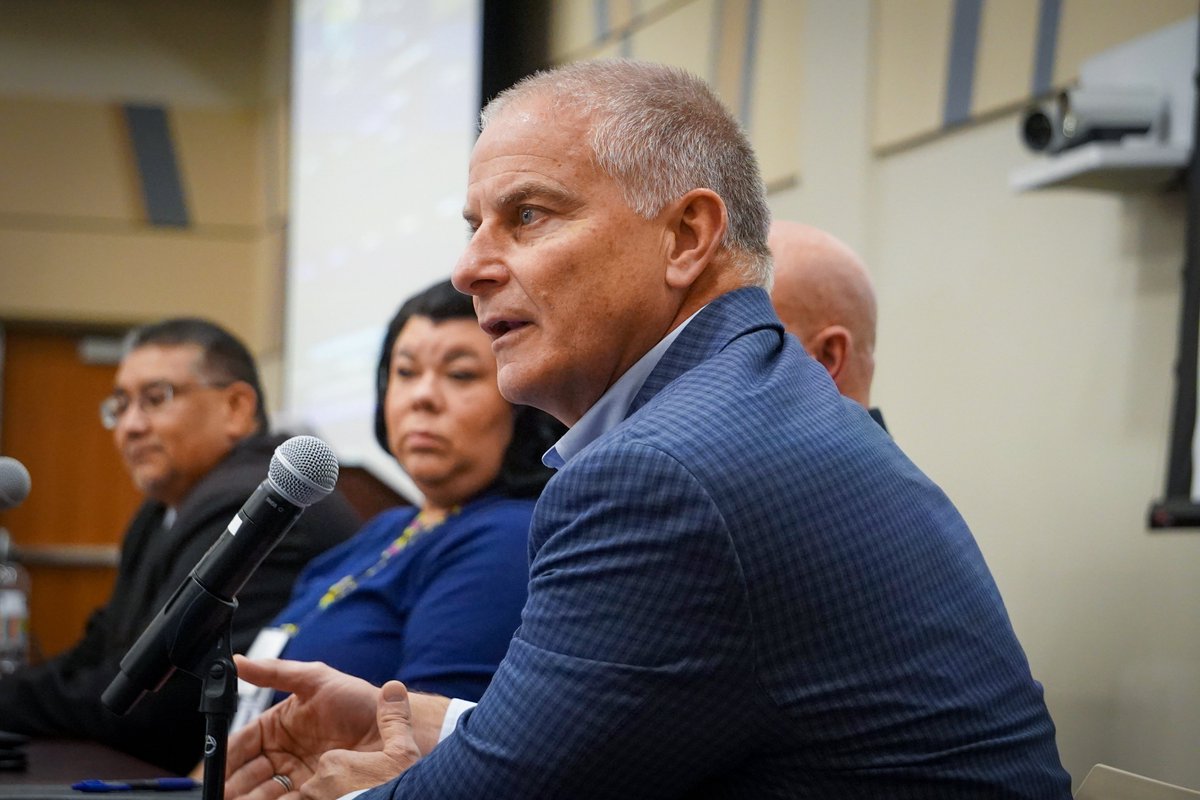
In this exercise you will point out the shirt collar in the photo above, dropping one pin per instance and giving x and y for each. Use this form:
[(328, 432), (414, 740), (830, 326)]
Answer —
[(611, 408)]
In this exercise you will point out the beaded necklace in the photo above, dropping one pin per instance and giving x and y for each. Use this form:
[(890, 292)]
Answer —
[(345, 586)]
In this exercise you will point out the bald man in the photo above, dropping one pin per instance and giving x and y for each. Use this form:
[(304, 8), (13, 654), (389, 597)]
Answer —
[(823, 295)]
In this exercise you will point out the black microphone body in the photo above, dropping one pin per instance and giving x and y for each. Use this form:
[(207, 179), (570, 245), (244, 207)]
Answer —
[(248, 539), (186, 629)]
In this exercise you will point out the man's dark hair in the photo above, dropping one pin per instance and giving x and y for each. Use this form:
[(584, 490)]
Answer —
[(522, 473), (224, 359)]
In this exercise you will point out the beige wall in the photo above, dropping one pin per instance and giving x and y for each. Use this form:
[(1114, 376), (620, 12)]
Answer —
[(748, 51), (76, 245), (912, 53), (1025, 362)]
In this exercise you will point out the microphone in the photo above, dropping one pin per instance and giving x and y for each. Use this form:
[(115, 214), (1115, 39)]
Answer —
[(14, 483), (303, 470)]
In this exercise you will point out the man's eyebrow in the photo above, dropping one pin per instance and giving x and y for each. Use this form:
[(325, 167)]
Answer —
[(141, 387), (523, 192)]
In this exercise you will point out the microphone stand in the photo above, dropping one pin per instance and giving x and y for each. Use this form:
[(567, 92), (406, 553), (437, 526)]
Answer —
[(193, 633), (218, 702)]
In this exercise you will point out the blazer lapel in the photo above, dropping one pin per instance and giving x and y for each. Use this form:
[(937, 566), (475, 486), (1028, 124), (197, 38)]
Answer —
[(720, 322)]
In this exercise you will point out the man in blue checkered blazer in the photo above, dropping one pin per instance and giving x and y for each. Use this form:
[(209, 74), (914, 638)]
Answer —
[(739, 585)]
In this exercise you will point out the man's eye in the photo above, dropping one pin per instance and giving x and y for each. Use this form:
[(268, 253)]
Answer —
[(465, 376), (155, 396), (528, 216)]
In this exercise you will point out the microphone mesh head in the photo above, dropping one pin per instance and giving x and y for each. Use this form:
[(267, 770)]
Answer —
[(14, 482), (303, 469)]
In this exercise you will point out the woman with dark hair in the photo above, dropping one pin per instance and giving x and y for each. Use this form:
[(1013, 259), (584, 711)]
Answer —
[(430, 595)]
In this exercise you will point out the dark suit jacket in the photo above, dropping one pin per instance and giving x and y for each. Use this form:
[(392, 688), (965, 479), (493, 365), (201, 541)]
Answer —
[(61, 698), (746, 590)]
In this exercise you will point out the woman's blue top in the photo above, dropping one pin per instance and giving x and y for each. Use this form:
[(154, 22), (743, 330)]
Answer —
[(438, 616)]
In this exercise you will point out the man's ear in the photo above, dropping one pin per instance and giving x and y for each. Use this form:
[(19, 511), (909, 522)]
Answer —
[(242, 409), (831, 346), (696, 227)]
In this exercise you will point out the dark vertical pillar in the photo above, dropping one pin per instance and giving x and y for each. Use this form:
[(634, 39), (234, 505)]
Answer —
[(960, 69), (516, 43), (158, 169), (1179, 508), (1046, 47)]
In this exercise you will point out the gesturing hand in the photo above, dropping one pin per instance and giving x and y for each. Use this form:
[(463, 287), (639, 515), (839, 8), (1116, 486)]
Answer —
[(342, 771), (328, 710)]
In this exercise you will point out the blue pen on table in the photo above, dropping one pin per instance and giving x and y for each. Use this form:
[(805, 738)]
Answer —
[(153, 784)]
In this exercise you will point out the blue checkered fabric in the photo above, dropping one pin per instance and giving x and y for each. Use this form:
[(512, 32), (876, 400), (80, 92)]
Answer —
[(746, 590)]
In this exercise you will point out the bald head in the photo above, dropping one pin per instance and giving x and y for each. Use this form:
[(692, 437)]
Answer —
[(824, 296)]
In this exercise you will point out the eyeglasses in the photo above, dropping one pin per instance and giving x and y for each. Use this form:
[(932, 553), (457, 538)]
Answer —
[(152, 399)]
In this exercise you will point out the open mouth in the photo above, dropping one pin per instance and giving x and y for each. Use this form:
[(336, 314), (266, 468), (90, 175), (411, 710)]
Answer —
[(498, 328)]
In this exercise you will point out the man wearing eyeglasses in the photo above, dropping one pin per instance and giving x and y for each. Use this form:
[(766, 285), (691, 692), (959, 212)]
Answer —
[(188, 420)]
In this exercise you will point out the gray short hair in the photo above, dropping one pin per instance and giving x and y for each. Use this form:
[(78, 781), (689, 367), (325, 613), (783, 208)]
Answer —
[(660, 132)]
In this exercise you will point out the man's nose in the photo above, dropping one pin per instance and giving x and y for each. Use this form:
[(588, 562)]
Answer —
[(132, 420), (481, 266)]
